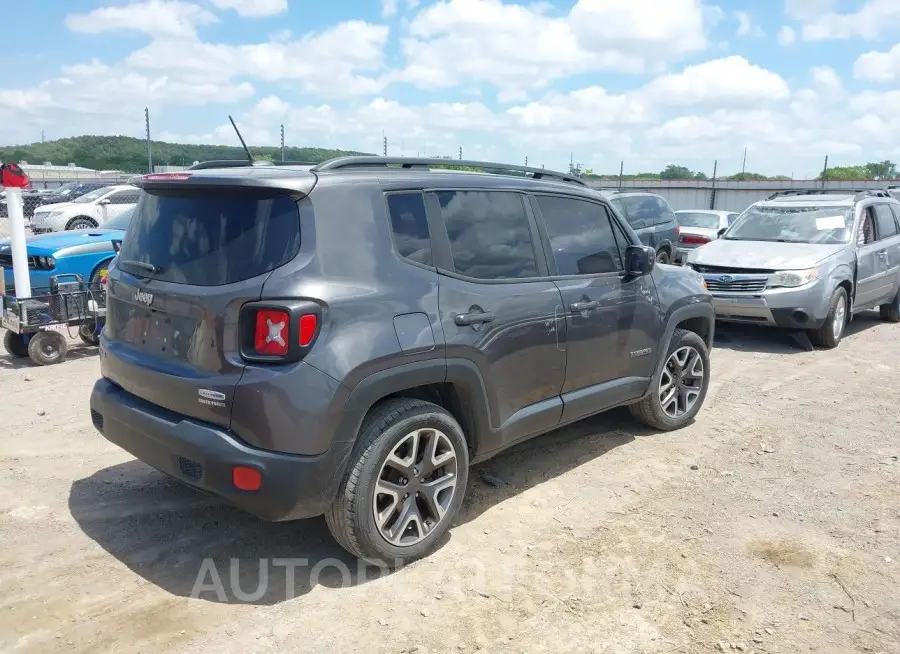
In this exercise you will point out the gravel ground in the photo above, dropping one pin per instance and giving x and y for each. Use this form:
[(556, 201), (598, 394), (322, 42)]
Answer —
[(769, 525)]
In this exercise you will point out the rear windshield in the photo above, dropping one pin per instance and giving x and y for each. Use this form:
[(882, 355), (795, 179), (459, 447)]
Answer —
[(195, 237), (697, 219)]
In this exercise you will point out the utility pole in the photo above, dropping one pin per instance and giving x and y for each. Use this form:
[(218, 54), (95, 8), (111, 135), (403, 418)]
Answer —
[(42, 136), (282, 142), (460, 153), (385, 145), (824, 171), (744, 165), (526, 159), (712, 192), (149, 150), (621, 172)]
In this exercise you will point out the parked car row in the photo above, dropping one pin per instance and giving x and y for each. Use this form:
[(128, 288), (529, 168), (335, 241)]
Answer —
[(804, 260)]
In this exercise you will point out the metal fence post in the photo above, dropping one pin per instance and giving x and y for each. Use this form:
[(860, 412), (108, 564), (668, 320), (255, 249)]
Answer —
[(712, 192)]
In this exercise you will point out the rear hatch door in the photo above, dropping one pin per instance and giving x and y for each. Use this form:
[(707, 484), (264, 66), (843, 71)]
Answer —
[(199, 246)]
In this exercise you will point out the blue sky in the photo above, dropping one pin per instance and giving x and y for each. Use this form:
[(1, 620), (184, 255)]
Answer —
[(649, 82)]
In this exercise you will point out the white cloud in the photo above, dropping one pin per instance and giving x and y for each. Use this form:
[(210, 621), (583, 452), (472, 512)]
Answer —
[(786, 35), (718, 82), (878, 66), (746, 26), (170, 18), (253, 8), (389, 7), (519, 47), (826, 79), (334, 75), (874, 19)]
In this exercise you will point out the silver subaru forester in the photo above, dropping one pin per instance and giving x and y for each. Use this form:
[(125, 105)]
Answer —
[(807, 260)]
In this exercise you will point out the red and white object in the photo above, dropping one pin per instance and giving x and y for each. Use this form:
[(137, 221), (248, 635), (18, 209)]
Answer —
[(14, 180)]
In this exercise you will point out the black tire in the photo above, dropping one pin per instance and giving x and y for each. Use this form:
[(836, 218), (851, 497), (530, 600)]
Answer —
[(662, 256), (47, 348), (81, 222), (650, 410), (891, 312), (15, 345), (87, 335), (825, 335), (351, 517)]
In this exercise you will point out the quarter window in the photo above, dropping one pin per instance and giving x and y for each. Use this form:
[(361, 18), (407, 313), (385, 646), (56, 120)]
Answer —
[(409, 226), (581, 236), (489, 234)]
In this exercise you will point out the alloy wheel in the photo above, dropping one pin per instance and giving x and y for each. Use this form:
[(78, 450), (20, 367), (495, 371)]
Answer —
[(415, 487), (840, 316), (681, 381)]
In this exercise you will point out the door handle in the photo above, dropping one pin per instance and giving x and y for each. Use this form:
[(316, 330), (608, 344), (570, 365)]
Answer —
[(578, 307), (882, 253), (469, 319)]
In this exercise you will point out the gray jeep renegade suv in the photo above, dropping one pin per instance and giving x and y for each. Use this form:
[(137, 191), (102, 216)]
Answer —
[(347, 339)]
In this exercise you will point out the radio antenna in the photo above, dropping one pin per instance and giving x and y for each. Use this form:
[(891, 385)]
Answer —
[(243, 145)]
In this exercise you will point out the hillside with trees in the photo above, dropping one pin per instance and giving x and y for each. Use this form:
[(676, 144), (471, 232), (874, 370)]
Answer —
[(130, 154)]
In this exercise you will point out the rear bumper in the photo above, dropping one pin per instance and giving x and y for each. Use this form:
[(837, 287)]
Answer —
[(202, 455)]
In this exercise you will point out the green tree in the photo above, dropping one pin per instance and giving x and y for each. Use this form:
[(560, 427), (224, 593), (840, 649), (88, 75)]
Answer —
[(673, 171), (882, 170), (846, 173), (746, 177)]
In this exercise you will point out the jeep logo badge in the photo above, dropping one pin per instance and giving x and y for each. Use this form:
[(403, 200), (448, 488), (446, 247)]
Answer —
[(143, 298)]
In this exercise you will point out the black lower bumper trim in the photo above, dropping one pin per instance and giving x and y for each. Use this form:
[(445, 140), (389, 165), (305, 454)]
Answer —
[(203, 456)]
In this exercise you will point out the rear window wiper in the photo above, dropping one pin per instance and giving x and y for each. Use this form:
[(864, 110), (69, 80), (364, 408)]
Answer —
[(149, 267)]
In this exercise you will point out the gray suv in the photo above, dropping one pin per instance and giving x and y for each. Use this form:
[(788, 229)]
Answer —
[(348, 339), (807, 260), (651, 218)]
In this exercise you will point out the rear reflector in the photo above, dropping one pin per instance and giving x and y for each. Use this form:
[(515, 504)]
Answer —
[(272, 329), (246, 479), (308, 324), (694, 239)]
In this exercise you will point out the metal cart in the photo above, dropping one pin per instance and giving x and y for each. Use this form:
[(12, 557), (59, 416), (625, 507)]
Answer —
[(37, 327)]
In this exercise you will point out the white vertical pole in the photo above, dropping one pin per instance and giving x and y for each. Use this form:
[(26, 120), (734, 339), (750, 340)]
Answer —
[(17, 241)]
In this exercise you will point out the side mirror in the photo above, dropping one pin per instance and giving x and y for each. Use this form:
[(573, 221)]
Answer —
[(639, 260), (104, 202), (721, 231)]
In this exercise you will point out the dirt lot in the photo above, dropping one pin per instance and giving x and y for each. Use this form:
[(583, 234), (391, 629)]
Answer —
[(770, 525)]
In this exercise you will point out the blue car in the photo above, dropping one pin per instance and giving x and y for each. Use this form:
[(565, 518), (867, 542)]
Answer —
[(83, 252)]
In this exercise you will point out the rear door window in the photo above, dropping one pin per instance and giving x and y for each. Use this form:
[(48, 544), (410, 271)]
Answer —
[(490, 237), (205, 239)]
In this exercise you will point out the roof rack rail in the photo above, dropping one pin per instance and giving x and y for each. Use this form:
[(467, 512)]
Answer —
[(873, 192), (424, 163), (628, 189), (243, 163)]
